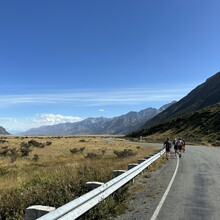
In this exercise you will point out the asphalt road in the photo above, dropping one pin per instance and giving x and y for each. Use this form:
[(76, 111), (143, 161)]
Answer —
[(195, 192)]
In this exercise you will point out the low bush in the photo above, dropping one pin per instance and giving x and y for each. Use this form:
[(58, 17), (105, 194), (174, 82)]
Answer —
[(77, 150), (124, 153), (36, 157), (91, 155), (36, 143), (4, 151), (74, 150)]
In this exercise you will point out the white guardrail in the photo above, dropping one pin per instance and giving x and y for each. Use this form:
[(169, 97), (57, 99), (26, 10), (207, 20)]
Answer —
[(82, 204)]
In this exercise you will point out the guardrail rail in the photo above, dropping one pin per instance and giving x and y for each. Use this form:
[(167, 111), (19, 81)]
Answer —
[(82, 204)]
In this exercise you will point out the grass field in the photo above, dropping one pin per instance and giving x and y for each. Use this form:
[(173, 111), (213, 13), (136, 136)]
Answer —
[(54, 170)]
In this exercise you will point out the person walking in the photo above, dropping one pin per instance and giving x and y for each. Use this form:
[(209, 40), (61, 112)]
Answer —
[(184, 145), (175, 146), (180, 144), (167, 145)]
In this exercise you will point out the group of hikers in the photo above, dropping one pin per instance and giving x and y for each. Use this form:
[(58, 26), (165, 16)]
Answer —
[(178, 145)]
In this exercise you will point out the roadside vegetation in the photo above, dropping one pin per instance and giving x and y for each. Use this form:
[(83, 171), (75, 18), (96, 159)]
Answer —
[(52, 171), (202, 126)]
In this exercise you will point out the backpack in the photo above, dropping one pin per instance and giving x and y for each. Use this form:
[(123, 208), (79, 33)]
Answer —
[(179, 143)]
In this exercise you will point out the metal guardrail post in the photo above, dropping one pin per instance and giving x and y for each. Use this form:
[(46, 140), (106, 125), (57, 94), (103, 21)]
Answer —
[(118, 172), (93, 185), (36, 211)]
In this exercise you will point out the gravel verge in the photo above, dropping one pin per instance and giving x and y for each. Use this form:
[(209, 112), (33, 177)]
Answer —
[(146, 192)]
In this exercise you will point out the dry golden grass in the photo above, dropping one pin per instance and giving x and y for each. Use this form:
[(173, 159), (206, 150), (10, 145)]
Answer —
[(57, 158)]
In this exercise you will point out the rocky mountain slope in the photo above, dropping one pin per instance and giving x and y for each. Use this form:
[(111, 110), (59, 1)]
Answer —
[(202, 96), (118, 125), (3, 131), (199, 126), (195, 117)]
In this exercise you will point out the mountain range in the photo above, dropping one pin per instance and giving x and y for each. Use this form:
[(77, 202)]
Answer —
[(195, 117), (206, 94), (123, 124), (202, 126)]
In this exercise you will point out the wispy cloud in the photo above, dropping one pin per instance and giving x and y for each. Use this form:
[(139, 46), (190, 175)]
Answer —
[(80, 98), (50, 119), (96, 98), (38, 120), (8, 120)]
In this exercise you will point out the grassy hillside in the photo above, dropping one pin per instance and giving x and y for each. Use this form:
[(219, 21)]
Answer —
[(201, 126), (202, 96)]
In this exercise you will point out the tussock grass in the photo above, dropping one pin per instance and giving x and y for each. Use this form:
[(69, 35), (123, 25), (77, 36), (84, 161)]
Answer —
[(59, 176)]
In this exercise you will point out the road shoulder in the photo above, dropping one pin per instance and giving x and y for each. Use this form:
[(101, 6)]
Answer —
[(146, 192)]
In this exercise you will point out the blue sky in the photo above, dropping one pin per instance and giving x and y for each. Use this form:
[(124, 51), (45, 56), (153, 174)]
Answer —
[(66, 60)]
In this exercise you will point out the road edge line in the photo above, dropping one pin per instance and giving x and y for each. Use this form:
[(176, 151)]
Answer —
[(156, 212)]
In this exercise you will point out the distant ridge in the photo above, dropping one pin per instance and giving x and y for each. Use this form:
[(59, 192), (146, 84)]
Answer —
[(118, 125), (3, 131), (195, 117), (199, 126), (202, 96)]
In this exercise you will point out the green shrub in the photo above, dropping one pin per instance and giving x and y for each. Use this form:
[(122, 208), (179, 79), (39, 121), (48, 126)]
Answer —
[(3, 171), (124, 153), (36, 143), (91, 155)]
